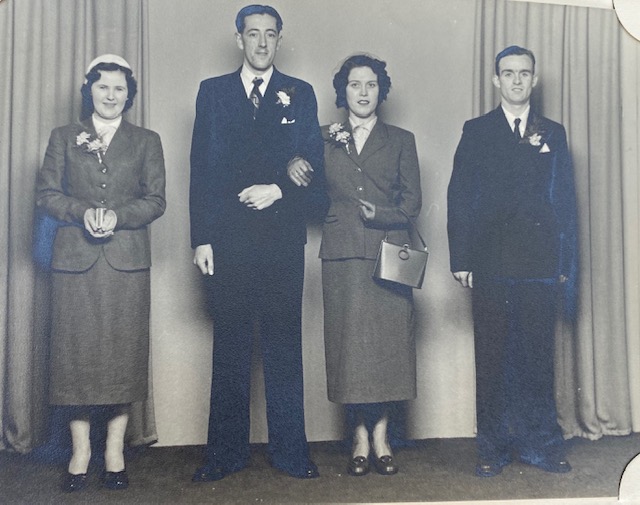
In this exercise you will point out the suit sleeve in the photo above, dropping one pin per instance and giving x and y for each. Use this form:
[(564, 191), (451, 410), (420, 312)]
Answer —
[(407, 192), (201, 200), (51, 196), (311, 201), (460, 197), (152, 203)]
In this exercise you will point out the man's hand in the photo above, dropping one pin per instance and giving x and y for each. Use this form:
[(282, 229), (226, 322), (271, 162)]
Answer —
[(203, 259), (260, 196), (464, 278), (300, 172)]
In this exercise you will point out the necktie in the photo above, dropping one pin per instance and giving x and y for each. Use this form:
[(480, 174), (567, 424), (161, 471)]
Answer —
[(359, 137), (255, 95), (516, 129)]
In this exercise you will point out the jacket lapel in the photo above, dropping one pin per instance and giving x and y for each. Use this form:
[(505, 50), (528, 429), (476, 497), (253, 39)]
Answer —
[(378, 138), (120, 143)]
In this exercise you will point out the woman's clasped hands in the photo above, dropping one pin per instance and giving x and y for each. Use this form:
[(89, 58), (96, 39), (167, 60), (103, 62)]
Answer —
[(100, 223)]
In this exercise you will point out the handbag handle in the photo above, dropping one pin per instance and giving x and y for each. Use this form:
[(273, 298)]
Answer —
[(413, 226)]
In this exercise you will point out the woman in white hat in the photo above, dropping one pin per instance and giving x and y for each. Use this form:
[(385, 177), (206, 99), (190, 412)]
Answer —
[(103, 179)]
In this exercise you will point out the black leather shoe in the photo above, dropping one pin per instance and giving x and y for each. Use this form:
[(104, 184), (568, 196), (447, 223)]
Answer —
[(489, 468), (72, 482), (548, 464), (385, 465), (116, 480), (308, 471), (358, 466)]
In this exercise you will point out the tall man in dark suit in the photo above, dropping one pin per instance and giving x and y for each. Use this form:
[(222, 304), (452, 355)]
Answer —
[(248, 228), (512, 238)]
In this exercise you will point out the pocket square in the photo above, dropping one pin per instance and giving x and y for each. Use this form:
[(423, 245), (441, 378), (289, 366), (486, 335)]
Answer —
[(287, 121), (545, 148)]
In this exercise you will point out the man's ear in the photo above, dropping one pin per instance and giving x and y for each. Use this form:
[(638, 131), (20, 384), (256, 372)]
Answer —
[(496, 81), (239, 41), (534, 81)]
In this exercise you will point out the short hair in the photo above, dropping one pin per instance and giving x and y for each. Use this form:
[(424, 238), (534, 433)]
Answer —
[(514, 51), (94, 75), (249, 10), (341, 79)]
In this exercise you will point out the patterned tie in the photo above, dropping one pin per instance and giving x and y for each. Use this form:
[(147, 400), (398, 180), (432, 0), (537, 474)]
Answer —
[(255, 95), (516, 129)]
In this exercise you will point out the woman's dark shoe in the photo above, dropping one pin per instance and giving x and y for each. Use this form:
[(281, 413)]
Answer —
[(116, 480), (358, 466), (72, 482), (385, 465)]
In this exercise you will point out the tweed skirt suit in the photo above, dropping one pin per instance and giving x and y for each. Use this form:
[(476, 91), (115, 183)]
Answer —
[(368, 324), (101, 286)]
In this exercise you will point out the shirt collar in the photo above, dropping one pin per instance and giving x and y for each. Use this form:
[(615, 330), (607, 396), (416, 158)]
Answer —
[(524, 117), (100, 124), (248, 76), (367, 123)]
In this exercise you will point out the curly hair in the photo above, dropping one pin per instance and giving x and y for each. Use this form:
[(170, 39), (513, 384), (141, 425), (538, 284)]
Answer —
[(94, 75), (341, 79)]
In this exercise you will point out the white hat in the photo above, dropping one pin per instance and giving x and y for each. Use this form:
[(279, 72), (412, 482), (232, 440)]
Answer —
[(109, 58)]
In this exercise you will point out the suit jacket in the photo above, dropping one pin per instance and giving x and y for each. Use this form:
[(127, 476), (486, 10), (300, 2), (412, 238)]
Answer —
[(511, 206), (386, 173), (130, 181), (231, 151)]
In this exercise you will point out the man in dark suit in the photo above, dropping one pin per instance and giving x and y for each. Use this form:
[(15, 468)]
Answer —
[(512, 238), (252, 126)]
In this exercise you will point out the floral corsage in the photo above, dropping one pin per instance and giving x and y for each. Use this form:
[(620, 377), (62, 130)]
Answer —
[(284, 96), (91, 144), (533, 136), (339, 136)]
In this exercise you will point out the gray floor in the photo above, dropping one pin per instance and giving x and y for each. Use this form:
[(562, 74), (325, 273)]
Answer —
[(432, 470)]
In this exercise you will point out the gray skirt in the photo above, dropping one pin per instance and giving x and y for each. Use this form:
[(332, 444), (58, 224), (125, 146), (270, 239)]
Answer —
[(368, 333), (99, 336)]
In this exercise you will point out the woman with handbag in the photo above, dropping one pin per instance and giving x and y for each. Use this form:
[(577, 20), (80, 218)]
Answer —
[(103, 179), (373, 181)]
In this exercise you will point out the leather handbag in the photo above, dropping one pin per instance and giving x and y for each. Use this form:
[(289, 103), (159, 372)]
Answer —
[(400, 263)]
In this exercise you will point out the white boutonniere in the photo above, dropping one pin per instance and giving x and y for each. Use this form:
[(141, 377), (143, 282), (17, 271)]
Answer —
[(91, 144), (534, 135), (284, 96), (339, 136)]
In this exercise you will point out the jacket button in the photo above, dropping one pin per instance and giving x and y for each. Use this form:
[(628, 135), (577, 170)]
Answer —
[(104, 170), (360, 188), (103, 185), (103, 202)]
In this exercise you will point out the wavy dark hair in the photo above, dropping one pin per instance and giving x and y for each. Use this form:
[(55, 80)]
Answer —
[(515, 51), (249, 10), (94, 75), (341, 79)]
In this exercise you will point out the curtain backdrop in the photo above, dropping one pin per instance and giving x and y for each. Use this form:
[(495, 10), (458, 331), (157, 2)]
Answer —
[(44, 49), (581, 58)]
